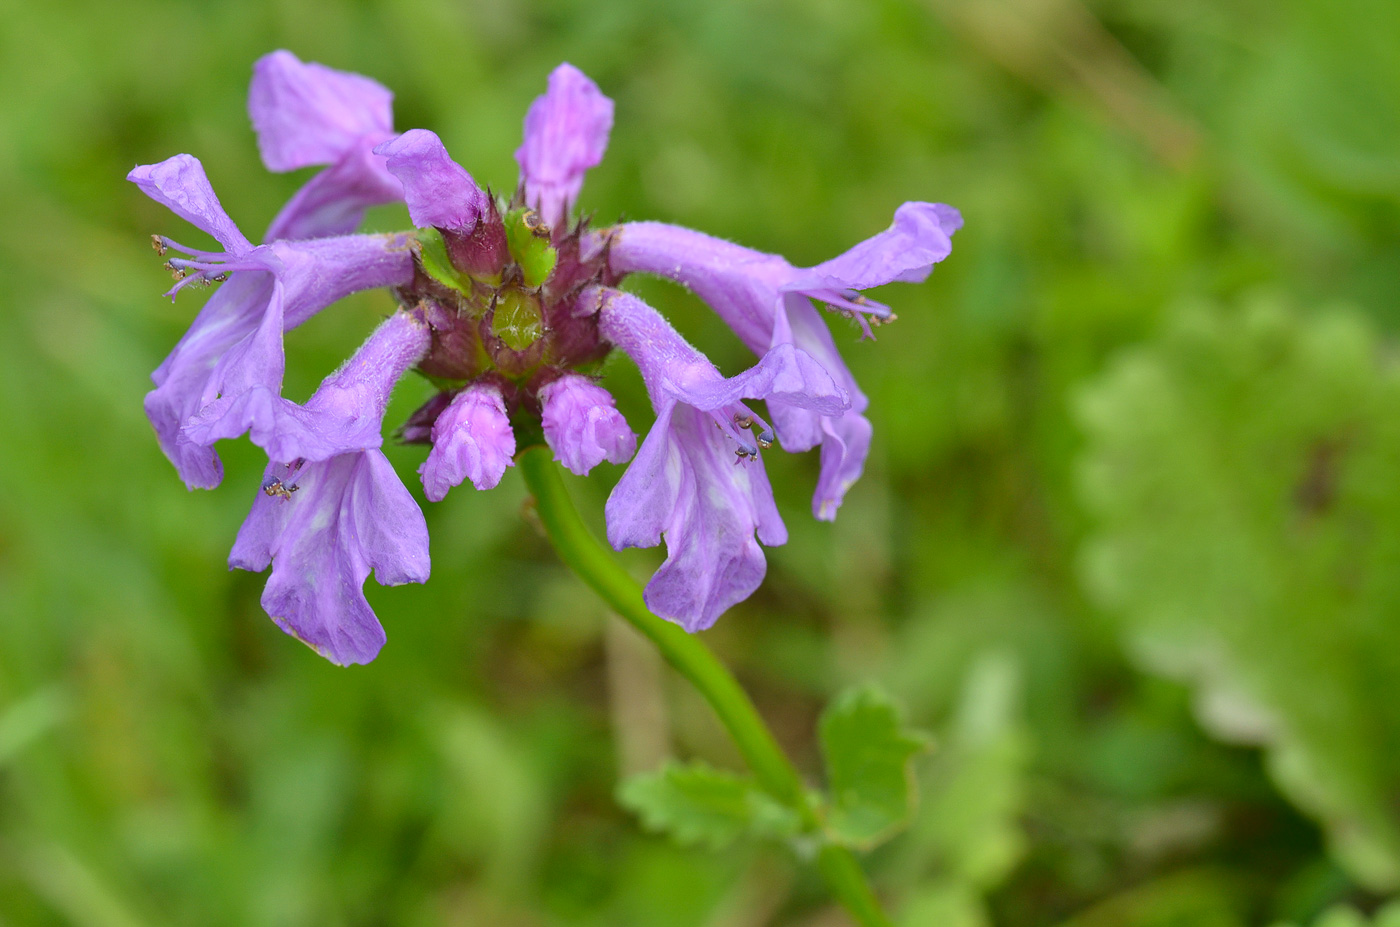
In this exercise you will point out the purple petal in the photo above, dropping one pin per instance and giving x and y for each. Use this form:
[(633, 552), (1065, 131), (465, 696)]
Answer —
[(348, 515), (740, 284), (438, 190), (240, 390), (583, 426), (642, 502), (318, 272), (472, 440), (347, 410), (307, 113), (179, 184), (566, 133), (844, 449), (334, 201), (845, 438), (906, 252), (669, 364), (684, 485)]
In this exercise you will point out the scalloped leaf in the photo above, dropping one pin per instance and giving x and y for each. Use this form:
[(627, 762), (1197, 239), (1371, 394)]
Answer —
[(869, 766), (697, 804)]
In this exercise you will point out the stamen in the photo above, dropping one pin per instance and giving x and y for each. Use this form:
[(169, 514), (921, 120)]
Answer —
[(159, 244), (735, 421), (192, 252), (852, 301), (186, 271), (276, 488), (283, 487)]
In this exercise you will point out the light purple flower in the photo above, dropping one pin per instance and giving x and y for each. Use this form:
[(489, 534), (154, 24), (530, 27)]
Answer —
[(227, 369), (582, 424), (768, 302), (306, 113), (566, 133), (472, 440), (324, 523), (698, 478)]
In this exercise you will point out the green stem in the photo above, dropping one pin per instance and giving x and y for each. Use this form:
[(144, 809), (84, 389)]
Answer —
[(582, 553)]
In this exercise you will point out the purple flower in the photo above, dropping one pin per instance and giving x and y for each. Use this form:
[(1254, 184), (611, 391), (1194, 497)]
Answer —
[(324, 522), (582, 424), (472, 440), (307, 113), (698, 478), (768, 302), (225, 375), (566, 133)]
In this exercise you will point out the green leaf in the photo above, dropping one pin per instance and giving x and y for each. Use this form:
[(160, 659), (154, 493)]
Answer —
[(1242, 469), (869, 768), (697, 804)]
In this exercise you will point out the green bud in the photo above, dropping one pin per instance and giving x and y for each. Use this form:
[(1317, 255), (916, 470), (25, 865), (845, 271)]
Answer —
[(518, 320), (432, 257), (528, 238)]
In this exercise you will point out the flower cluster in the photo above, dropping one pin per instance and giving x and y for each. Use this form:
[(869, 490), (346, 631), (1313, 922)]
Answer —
[(508, 306)]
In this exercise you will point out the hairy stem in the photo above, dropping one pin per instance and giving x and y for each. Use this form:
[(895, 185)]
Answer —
[(594, 564)]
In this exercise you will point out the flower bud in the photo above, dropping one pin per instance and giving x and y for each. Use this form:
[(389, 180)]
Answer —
[(583, 426), (472, 440)]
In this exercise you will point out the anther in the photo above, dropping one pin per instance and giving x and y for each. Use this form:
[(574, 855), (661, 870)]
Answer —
[(743, 421), (159, 244), (176, 272), (765, 439), (275, 488)]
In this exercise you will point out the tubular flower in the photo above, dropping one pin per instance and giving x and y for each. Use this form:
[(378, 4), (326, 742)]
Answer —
[(224, 376), (698, 479), (333, 509), (509, 307), (767, 302)]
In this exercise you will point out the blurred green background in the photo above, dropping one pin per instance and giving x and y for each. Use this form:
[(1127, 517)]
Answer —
[(1128, 543)]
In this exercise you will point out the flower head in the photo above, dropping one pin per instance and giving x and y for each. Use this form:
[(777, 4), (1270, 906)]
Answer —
[(510, 307)]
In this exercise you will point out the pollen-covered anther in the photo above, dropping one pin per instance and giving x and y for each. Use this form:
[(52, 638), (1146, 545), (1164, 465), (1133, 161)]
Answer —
[(275, 488), (765, 439), (158, 244), (178, 273)]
